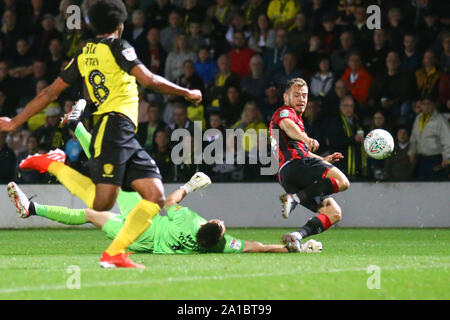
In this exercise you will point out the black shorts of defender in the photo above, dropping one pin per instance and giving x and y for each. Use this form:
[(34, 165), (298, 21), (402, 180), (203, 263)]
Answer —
[(116, 156), (300, 173)]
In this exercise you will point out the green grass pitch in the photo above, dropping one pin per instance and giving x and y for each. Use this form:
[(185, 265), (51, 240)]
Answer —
[(414, 264)]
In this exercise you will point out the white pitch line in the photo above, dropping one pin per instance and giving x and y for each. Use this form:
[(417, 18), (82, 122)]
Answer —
[(204, 278)]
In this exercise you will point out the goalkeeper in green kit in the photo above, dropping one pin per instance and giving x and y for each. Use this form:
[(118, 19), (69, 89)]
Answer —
[(182, 231)]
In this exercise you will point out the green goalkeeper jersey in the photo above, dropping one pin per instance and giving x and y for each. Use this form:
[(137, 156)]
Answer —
[(174, 233)]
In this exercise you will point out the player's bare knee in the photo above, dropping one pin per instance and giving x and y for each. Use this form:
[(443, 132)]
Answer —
[(104, 205), (344, 184), (337, 214)]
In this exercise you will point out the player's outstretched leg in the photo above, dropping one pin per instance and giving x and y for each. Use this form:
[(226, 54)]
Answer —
[(329, 213), (53, 162), (332, 181), (26, 208)]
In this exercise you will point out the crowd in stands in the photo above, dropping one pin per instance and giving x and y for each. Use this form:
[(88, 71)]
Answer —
[(240, 55)]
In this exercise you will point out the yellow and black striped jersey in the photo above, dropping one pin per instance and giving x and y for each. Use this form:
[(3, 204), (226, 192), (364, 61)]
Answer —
[(104, 64)]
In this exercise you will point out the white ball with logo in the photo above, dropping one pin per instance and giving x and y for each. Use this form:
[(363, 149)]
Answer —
[(379, 144)]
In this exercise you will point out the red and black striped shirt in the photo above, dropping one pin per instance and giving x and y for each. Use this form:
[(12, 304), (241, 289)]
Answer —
[(286, 149)]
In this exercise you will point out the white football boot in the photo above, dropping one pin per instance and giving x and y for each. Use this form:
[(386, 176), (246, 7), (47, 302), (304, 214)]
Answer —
[(19, 199)]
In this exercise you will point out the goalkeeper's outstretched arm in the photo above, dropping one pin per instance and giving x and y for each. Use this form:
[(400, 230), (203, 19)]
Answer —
[(257, 247)]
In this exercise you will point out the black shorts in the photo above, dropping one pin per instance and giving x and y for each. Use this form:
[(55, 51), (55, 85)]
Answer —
[(116, 156), (300, 173)]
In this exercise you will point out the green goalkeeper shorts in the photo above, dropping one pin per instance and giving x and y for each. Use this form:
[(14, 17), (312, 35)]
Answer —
[(145, 241)]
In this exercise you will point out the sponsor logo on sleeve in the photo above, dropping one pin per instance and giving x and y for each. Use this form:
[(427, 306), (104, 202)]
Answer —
[(129, 54), (284, 113)]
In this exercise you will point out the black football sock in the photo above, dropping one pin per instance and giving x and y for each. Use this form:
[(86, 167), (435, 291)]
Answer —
[(315, 225), (32, 209)]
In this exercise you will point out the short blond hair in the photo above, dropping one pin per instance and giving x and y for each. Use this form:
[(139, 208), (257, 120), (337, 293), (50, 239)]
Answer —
[(298, 82)]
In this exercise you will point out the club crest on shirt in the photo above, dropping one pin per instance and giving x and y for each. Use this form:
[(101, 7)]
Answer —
[(284, 113), (234, 244), (129, 54)]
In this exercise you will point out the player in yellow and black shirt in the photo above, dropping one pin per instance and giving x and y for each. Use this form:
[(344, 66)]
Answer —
[(109, 68)]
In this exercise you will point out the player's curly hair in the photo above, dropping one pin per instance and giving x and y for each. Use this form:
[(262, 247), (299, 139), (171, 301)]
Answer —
[(106, 15), (209, 235)]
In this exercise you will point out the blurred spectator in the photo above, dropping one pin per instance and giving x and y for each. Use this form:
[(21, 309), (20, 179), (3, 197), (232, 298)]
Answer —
[(311, 58), (282, 12), (251, 118), (273, 57), (38, 119), (397, 27), (136, 32), (55, 59), (299, 35), (240, 55), (427, 77), (146, 130), (329, 32), (262, 36), (205, 66), (189, 78), (330, 105), (444, 92), (29, 83), (154, 57), (445, 56), (315, 124), (290, 70), (429, 146), (362, 34), (392, 89), (357, 78), (195, 36), (237, 25), (8, 161), (192, 11), (8, 85), (142, 106), (339, 57), (253, 9), (169, 33), (345, 135), (22, 60), (29, 176), (428, 33), (158, 13), (73, 150), (398, 166), (255, 83), (35, 14), (270, 102), (181, 120), (180, 53), (223, 80), (322, 81), (49, 134), (49, 32), (410, 57), (232, 105), (161, 154), (17, 140), (376, 55), (60, 19), (6, 108), (11, 31), (224, 11)]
